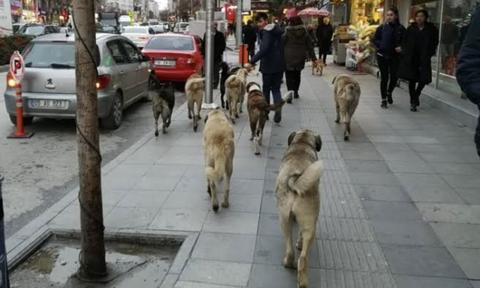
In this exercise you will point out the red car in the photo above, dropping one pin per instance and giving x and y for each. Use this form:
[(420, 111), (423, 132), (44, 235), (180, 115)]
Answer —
[(174, 57)]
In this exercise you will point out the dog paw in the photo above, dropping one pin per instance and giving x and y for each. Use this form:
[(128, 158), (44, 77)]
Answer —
[(288, 262), (195, 128), (190, 117), (237, 116), (156, 133), (257, 153), (164, 131), (337, 121), (346, 138), (225, 205), (215, 208)]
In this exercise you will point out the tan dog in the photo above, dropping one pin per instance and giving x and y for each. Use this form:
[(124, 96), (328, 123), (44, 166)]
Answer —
[(219, 149), (235, 91), (347, 95), (194, 89), (298, 197), (258, 110), (317, 68)]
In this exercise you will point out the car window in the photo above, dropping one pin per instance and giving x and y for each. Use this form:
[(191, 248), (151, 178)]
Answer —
[(133, 29), (150, 31), (39, 55), (31, 30), (170, 43), (117, 52), (132, 52)]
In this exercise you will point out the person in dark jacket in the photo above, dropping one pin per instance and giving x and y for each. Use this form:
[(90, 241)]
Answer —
[(387, 40), (272, 63), (219, 45), (250, 37), (419, 45), (298, 47), (324, 38), (468, 71)]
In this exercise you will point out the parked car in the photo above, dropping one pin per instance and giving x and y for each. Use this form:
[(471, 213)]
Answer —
[(174, 57), (16, 27), (48, 86), (37, 29), (182, 27), (158, 29), (138, 34)]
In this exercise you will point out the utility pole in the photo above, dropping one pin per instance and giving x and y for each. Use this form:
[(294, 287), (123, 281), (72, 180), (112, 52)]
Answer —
[(238, 29), (209, 33), (92, 254)]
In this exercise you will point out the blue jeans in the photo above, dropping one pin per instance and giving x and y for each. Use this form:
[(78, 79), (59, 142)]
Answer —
[(271, 83)]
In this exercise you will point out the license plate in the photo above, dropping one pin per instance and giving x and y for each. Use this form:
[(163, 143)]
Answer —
[(169, 63), (48, 104)]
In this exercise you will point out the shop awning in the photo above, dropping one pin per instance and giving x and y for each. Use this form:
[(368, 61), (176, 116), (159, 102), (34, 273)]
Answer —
[(314, 12)]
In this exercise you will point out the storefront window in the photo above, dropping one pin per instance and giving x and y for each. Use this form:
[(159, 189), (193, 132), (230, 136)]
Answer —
[(367, 11)]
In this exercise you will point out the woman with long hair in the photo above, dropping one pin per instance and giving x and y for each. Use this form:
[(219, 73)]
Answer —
[(297, 48), (388, 40), (418, 47)]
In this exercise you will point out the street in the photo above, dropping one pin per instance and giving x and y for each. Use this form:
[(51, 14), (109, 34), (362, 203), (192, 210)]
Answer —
[(41, 170)]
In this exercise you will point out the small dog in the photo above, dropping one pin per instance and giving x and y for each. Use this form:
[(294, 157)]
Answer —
[(298, 197), (163, 101), (219, 149), (258, 110), (235, 90), (226, 72), (347, 95), (194, 89), (317, 68)]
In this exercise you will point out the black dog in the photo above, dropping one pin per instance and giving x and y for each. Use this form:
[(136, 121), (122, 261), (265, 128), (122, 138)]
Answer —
[(163, 101), (226, 72)]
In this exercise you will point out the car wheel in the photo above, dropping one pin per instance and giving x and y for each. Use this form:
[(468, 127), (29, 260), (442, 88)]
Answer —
[(115, 117), (26, 120)]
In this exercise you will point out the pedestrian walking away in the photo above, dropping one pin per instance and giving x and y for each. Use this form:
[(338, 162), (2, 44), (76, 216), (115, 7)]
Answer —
[(250, 37), (418, 46), (298, 47), (324, 39), (219, 45), (468, 72), (387, 40), (271, 59)]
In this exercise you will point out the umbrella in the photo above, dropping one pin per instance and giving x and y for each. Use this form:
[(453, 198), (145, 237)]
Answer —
[(313, 12)]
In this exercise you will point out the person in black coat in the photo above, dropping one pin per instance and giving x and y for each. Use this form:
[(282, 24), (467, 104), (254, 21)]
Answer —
[(388, 40), (219, 46), (324, 38), (250, 37), (419, 45), (298, 47), (468, 71)]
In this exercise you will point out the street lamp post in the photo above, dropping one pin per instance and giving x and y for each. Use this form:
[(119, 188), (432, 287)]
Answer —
[(238, 32), (209, 33)]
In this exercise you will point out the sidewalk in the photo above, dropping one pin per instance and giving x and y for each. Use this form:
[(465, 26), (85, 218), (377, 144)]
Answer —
[(400, 203)]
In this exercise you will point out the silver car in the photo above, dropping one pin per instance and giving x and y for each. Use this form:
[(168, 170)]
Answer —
[(48, 86)]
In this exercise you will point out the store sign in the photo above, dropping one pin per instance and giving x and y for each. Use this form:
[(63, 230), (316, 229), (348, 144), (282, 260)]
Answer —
[(261, 5), (5, 18)]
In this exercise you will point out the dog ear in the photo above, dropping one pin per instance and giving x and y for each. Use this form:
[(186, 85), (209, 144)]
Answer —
[(290, 137), (318, 143)]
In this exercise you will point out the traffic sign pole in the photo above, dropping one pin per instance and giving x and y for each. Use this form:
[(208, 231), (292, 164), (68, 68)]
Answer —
[(17, 70)]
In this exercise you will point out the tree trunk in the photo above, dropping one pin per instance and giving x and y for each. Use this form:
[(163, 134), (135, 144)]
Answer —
[(92, 257)]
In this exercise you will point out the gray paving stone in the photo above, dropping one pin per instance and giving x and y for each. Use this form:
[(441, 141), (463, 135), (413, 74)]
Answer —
[(444, 194), (366, 178), (231, 222), (453, 213), (123, 217), (124, 177), (409, 166), (400, 155), (412, 180), (195, 199), (269, 204), (144, 198), (263, 275), (475, 284), (405, 233), (225, 247), (271, 249), (147, 154), (352, 256), (458, 235), (344, 229), (462, 181), (269, 225), (112, 197), (367, 166), (181, 219), (381, 210), (361, 155), (187, 284), (216, 272), (381, 193), (161, 177), (452, 168), (469, 195), (404, 281), (421, 261), (468, 261)]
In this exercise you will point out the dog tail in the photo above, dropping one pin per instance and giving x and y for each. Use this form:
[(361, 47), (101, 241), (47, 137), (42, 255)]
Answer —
[(334, 78), (215, 173), (307, 179)]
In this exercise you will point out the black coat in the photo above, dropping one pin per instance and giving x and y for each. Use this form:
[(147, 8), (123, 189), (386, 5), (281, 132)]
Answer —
[(468, 71), (397, 38), (324, 37), (270, 53), (418, 47), (298, 47), (249, 35), (219, 45)]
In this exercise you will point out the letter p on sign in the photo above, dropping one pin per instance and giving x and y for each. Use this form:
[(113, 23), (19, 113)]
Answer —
[(17, 66)]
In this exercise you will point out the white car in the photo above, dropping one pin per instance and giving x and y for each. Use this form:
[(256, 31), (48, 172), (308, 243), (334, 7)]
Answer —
[(182, 27), (139, 35)]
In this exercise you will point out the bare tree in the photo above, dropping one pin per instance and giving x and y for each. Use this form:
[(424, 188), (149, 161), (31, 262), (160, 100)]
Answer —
[(92, 255)]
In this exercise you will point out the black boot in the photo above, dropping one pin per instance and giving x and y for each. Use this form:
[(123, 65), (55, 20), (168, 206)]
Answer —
[(413, 108), (384, 104), (277, 118), (390, 99), (295, 95)]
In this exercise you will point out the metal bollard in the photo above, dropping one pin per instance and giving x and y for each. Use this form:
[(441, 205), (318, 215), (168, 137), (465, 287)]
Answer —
[(5, 282)]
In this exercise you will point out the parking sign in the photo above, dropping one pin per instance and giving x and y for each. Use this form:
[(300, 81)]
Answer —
[(17, 66)]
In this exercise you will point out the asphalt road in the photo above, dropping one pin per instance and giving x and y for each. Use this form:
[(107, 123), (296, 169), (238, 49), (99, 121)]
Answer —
[(40, 171)]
